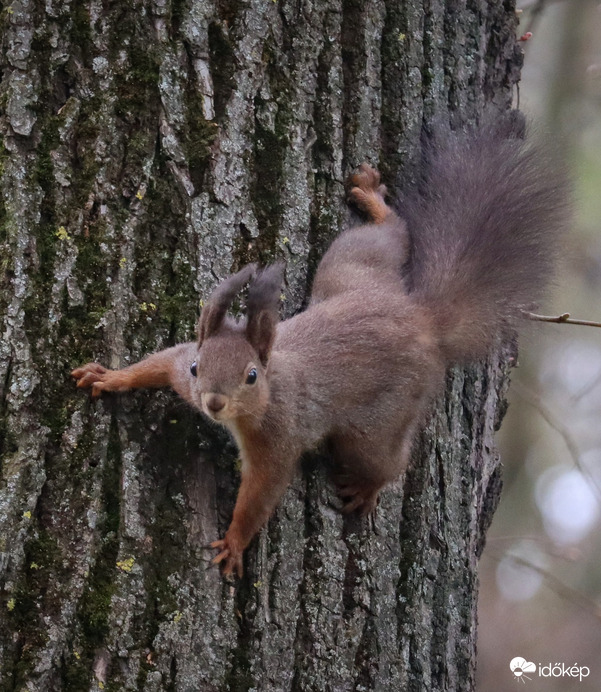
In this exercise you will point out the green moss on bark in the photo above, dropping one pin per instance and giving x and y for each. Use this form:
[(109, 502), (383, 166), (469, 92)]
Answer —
[(37, 594), (199, 137), (163, 280), (95, 604)]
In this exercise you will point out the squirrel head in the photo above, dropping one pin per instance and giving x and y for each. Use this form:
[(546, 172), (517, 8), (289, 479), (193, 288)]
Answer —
[(230, 369)]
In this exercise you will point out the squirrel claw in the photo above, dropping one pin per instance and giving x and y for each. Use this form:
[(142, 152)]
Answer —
[(367, 194), (229, 559), (91, 376), (360, 499), (368, 178), (88, 369), (352, 505), (99, 379)]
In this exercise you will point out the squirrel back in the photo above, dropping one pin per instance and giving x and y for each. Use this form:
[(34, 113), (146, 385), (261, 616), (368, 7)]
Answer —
[(484, 222)]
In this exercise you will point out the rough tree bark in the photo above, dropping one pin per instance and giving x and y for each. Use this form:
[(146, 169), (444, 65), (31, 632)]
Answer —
[(150, 148)]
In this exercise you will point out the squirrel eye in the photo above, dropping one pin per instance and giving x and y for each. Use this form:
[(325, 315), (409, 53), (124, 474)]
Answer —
[(251, 378), (193, 369)]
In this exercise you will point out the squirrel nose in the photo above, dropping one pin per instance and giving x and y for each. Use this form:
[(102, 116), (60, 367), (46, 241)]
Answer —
[(215, 402)]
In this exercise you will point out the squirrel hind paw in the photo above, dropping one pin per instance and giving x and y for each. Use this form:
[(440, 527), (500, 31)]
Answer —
[(360, 499), (367, 178), (367, 194)]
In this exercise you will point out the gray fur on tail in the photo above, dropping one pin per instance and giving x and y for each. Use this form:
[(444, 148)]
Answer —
[(485, 230)]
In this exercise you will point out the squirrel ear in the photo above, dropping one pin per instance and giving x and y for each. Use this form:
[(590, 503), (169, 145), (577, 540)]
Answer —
[(262, 309), (220, 300)]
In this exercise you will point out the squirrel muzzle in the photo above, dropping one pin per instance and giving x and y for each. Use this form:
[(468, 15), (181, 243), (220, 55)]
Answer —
[(215, 405)]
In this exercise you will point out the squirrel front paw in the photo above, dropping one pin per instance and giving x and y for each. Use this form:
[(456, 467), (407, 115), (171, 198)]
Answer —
[(95, 377), (367, 194), (230, 557)]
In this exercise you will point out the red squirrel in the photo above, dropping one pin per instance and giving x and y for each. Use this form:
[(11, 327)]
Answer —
[(394, 303)]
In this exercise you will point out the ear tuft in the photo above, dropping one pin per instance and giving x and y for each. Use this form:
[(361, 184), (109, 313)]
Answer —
[(220, 300), (262, 309)]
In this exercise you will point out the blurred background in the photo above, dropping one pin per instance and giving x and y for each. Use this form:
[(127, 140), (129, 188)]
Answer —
[(541, 571)]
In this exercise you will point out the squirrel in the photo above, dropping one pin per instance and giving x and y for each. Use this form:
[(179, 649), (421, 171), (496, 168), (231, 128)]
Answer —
[(394, 303)]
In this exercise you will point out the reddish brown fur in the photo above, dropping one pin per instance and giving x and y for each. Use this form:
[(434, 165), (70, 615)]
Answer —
[(359, 367), (368, 195)]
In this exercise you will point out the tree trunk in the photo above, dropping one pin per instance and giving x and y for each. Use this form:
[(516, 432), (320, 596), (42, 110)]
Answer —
[(150, 148)]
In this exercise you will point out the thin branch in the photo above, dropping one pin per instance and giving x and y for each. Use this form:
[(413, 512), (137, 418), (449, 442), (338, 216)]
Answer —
[(549, 547), (556, 585), (535, 400), (564, 318), (587, 389)]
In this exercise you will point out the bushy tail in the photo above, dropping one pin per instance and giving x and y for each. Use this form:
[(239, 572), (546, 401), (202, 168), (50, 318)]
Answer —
[(484, 225)]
